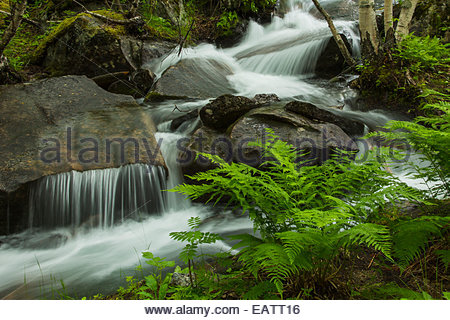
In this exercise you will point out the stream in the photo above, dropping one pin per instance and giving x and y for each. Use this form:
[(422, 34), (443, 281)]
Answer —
[(81, 240)]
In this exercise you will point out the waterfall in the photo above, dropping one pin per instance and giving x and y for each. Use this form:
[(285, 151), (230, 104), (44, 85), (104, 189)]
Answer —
[(276, 58), (97, 198)]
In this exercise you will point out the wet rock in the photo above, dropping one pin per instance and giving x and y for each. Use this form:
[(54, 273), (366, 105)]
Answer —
[(225, 110), (85, 45), (321, 140), (143, 80), (105, 80), (63, 124), (176, 123), (331, 62), (195, 78), (310, 111), (265, 99)]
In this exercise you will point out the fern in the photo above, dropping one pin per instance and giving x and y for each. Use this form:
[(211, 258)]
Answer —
[(430, 135), (411, 237), (305, 214), (444, 256), (261, 290)]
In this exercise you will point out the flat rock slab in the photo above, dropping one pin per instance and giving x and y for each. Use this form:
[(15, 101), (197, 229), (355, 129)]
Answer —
[(195, 78), (69, 123)]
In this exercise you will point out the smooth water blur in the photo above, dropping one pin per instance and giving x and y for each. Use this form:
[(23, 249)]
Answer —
[(80, 233)]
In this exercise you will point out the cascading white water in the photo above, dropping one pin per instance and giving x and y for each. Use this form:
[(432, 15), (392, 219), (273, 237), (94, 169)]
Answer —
[(97, 198), (277, 58)]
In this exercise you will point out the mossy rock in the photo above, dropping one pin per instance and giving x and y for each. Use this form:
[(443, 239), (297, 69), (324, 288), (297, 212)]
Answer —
[(154, 96), (83, 45)]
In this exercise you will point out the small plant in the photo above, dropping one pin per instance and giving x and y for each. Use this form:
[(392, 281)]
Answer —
[(194, 237), (156, 285), (423, 53), (227, 22)]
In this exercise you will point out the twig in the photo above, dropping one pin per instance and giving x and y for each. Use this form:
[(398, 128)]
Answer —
[(371, 261), (34, 23), (183, 41), (135, 20)]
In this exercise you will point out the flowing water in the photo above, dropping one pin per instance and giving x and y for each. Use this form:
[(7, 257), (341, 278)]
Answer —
[(79, 227)]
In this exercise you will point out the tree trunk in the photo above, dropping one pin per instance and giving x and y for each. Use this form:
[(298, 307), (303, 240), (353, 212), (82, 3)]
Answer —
[(117, 5), (408, 7), (17, 11), (337, 37), (175, 11), (388, 16), (368, 27), (134, 8)]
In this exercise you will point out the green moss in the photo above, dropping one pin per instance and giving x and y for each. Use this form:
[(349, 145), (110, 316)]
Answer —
[(60, 29), (113, 29), (4, 5), (154, 96), (111, 14)]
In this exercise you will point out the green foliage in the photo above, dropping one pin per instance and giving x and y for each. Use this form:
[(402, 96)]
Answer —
[(130, 292), (444, 256), (305, 214), (194, 237), (264, 289), (423, 53), (411, 237), (393, 291), (156, 285), (227, 22), (429, 134)]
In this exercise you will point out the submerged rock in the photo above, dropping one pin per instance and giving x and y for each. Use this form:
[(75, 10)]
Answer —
[(331, 62)]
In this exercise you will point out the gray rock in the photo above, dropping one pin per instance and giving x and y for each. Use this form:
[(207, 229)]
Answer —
[(265, 99), (331, 62), (36, 117), (86, 45), (195, 78), (308, 110), (225, 110), (321, 140), (181, 279)]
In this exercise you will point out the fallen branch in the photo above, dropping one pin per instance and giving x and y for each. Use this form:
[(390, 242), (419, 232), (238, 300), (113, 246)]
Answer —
[(32, 22), (183, 41), (340, 43), (135, 20)]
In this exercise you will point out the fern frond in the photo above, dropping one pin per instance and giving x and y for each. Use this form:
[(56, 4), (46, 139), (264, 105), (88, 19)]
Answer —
[(369, 234), (411, 237)]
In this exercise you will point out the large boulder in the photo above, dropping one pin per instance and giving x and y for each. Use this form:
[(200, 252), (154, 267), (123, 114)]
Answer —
[(63, 124), (86, 45), (310, 111), (194, 78), (321, 140)]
